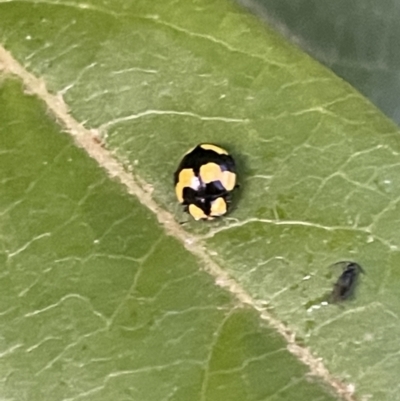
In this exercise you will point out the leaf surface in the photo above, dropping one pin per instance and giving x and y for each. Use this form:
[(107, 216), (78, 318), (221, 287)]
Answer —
[(98, 303), (318, 168)]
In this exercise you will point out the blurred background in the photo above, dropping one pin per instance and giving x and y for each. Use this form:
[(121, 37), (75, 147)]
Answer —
[(358, 39)]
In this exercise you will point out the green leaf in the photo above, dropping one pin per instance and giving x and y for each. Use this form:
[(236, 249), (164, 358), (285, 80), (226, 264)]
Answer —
[(127, 310), (358, 42), (98, 303)]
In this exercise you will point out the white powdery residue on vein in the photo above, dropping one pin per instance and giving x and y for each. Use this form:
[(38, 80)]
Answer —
[(292, 223), (146, 113), (89, 140)]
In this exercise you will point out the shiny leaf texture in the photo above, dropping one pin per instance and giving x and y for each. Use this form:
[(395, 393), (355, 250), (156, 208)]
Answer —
[(318, 168)]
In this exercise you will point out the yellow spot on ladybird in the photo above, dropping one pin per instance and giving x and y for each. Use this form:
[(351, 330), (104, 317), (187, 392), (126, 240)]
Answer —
[(228, 180), (215, 148), (196, 212), (210, 172), (218, 207), (185, 180)]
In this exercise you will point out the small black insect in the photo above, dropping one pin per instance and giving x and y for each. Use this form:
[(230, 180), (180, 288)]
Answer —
[(344, 286)]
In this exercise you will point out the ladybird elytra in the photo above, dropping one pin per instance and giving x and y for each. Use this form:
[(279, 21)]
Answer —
[(204, 180), (209, 171)]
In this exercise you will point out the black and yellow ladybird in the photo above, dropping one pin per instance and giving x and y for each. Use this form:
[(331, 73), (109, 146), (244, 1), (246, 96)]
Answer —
[(204, 181)]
